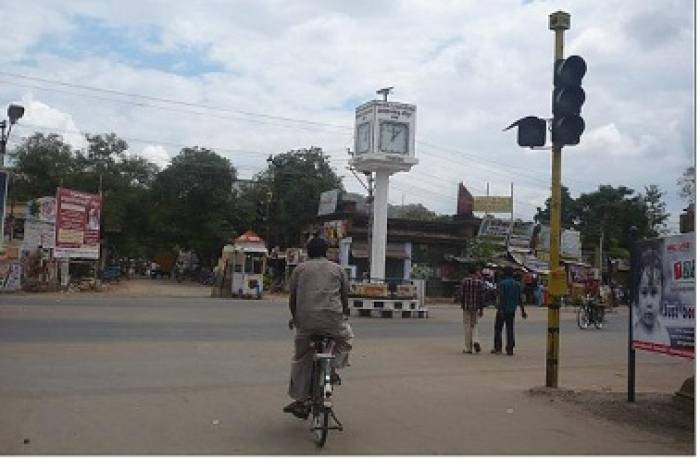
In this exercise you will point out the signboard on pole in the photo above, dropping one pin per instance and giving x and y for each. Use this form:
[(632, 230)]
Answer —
[(664, 300), (495, 204), (77, 224)]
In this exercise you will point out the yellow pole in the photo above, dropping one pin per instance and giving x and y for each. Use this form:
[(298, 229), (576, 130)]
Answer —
[(559, 22)]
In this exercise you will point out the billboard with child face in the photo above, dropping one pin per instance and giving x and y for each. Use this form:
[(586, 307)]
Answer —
[(664, 297)]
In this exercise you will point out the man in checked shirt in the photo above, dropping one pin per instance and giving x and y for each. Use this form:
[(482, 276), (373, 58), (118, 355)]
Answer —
[(473, 292)]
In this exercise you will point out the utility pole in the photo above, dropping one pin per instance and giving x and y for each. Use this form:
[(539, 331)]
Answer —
[(558, 22)]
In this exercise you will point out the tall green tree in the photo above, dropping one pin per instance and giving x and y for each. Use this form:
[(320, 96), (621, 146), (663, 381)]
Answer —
[(568, 210), (291, 186), (193, 204), (40, 164), (656, 209)]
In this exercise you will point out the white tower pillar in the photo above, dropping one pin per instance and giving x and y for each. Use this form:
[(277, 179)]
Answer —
[(381, 191)]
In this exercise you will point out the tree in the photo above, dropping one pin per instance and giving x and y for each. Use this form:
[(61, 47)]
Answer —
[(41, 164), (655, 209), (610, 212), (411, 211), (193, 204), (481, 250), (44, 162), (291, 186), (568, 210), (687, 184)]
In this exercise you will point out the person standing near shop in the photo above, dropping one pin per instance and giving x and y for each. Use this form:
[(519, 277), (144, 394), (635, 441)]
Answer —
[(473, 294), (509, 298)]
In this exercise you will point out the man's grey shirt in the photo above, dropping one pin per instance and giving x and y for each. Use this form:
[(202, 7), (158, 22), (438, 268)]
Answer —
[(318, 283)]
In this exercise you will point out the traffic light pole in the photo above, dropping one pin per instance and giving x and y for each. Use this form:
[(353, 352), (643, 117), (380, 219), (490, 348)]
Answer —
[(552, 375)]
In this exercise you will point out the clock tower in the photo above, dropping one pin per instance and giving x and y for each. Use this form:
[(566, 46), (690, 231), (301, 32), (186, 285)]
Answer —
[(385, 138)]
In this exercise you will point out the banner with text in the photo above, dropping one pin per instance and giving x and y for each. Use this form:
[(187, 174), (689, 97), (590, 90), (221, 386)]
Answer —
[(77, 224)]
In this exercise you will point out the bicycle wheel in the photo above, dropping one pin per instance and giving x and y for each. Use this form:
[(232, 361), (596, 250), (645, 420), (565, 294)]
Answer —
[(319, 424), (582, 318)]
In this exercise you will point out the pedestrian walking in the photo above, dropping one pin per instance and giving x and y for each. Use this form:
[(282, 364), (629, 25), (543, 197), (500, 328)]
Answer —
[(509, 298), (473, 295)]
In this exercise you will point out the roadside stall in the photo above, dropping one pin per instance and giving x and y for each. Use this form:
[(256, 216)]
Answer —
[(249, 260)]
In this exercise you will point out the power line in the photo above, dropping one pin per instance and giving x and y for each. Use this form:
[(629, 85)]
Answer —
[(518, 171), (172, 101), (168, 109)]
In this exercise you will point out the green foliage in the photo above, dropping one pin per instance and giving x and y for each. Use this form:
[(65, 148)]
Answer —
[(656, 209), (611, 212), (41, 163), (193, 204), (687, 184), (44, 162), (568, 210), (480, 250), (412, 212), (291, 186)]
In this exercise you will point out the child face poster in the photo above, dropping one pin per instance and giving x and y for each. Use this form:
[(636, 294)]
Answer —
[(664, 300)]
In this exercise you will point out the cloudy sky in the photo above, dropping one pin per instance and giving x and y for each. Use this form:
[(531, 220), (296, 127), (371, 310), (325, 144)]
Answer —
[(252, 77)]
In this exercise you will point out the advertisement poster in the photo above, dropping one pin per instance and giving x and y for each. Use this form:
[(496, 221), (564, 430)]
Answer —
[(10, 276), (334, 231), (664, 300), (328, 202), (494, 227), (570, 244), (77, 224), (38, 234), (42, 209)]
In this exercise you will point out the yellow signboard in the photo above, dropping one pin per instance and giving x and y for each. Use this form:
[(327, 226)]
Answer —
[(496, 204), (557, 283)]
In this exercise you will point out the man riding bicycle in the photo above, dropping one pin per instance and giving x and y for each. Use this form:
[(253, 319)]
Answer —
[(318, 302)]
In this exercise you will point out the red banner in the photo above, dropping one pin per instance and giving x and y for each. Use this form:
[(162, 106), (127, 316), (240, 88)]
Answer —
[(77, 224)]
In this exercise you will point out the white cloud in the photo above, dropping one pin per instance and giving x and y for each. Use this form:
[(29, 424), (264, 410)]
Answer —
[(156, 154), (471, 67), (42, 117)]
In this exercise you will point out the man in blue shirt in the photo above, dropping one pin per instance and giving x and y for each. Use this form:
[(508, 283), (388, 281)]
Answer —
[(509, 298)]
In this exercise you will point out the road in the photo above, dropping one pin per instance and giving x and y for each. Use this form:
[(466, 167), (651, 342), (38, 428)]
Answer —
[(167, 370)]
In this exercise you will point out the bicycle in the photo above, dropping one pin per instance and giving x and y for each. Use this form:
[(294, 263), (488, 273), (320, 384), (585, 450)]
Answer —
[(319, 403), (590, 313)]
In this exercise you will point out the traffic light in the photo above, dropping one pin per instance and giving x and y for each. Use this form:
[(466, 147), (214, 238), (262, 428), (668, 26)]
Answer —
[(567, 99), (532, 131)]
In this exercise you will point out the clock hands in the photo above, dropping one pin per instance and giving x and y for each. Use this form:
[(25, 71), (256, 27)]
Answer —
[(395, 133)]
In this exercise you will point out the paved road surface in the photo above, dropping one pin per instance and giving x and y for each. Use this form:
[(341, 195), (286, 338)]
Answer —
[(126, 373)]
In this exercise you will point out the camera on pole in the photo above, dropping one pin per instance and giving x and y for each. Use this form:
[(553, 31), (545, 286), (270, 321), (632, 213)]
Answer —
[(567, 98)]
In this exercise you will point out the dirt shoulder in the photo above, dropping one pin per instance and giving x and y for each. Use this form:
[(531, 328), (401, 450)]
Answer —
[(656, 413)]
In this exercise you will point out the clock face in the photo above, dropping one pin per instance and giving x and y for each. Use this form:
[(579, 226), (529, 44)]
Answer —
[(393, 138), (363, 138)]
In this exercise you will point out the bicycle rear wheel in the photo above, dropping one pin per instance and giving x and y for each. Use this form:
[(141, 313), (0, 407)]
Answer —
[(319, 425)]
